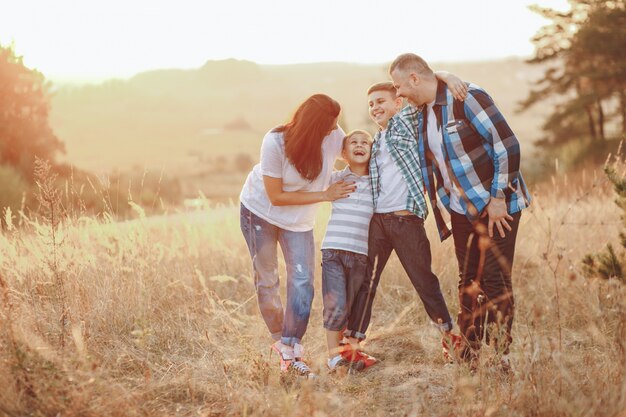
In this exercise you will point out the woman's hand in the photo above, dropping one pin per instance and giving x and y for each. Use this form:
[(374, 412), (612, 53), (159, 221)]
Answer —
[(340, 189)]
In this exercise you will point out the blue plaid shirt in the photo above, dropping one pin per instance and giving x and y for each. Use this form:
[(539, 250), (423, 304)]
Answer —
[(400, 138), (481, 151)]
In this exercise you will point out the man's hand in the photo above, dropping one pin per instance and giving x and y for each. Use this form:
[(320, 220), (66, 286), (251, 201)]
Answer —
[(498, 216)]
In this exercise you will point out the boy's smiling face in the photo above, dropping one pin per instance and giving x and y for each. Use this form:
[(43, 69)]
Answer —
[(357, 149), (383, 105)]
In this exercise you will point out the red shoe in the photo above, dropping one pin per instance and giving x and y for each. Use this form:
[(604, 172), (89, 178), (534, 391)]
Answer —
[(289, 362), (355, 355), (285, 355), (453, 340)]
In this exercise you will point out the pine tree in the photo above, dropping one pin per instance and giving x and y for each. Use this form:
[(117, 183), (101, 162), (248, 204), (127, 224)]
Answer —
[(586, 68), (610, 263)]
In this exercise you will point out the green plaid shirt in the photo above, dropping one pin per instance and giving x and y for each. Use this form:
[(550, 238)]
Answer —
[(401, 140)]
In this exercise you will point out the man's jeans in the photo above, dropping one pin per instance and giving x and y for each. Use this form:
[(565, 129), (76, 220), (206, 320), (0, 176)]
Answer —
[(299, 250), (343, 273), (485, 288), (405, 235)]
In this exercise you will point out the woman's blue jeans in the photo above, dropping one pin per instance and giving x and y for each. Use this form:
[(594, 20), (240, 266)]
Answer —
[(299, 250)]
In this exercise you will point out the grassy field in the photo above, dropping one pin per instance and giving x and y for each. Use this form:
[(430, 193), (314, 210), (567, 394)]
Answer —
[(158, 316), (203, 127), (188, 122)]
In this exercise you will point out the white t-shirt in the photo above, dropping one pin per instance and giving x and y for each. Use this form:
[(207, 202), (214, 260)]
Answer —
[(435, 143), (274, 163), (394, 192)]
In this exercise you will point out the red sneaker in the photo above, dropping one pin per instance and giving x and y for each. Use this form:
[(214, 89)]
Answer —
[(355, 355), (448, 340)]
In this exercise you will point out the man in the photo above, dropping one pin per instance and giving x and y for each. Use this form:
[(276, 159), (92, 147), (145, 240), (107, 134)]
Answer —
[(470, 163)]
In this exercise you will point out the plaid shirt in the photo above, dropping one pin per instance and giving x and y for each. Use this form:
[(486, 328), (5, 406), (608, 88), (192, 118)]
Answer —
[(400, 138), (481, 151)]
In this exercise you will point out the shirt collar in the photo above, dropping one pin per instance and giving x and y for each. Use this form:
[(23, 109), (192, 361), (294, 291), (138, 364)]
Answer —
[(408, 110), (347, 172), (408, 113), (442, 96)]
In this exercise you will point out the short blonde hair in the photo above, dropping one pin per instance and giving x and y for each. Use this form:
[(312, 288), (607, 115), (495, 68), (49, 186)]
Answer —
[(383, 86), (410, 62), (354, 133)]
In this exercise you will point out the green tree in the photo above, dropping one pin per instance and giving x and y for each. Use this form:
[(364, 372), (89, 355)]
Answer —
[(25, 132), (601, 42), (610, 263), (585, 74)]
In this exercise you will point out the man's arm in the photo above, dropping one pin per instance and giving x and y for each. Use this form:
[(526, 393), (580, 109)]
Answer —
[(454, 83), (483, 114)]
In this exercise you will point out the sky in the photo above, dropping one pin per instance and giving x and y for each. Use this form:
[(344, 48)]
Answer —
[(85, 40)]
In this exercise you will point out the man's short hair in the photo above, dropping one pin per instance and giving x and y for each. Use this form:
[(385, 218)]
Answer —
[(384, 86), (354, 133), (410, 62)]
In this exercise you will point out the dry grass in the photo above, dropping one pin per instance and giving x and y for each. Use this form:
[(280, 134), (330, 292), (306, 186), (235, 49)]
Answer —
[(161, 319)]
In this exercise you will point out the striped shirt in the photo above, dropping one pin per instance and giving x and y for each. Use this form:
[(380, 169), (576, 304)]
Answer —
[(482, 155), (401, 141), (348, 226)]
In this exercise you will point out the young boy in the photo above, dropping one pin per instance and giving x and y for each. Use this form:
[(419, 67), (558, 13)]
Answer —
[(344, 249), (399, 214)]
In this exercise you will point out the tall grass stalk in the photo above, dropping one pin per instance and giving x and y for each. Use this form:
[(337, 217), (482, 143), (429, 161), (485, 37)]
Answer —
[(49, 197)]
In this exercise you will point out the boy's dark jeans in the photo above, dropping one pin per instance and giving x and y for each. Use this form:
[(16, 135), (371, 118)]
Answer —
[(485, 288), (342, 276), (405, 235)]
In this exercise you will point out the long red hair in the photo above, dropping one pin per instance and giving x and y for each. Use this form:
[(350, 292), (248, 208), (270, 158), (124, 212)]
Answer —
[(303, 135)]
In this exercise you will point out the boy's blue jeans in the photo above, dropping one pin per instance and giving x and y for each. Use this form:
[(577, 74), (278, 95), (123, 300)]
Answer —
[(405, 235), (299, 250), (343, 273)]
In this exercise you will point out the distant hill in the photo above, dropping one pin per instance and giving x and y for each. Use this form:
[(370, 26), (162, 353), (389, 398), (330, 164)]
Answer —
[(187, 121)]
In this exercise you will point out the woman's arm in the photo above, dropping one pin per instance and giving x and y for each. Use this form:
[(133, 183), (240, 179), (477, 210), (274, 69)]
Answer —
[(455, 84), (279, 197)]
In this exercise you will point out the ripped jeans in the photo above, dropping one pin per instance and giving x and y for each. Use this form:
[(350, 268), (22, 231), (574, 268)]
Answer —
[(299, 250)]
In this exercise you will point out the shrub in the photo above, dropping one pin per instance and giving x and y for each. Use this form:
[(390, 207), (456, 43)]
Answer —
[(14, 188), (243, 162), (609, 263)]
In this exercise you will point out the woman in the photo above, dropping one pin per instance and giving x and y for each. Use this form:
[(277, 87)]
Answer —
[(278, 205)]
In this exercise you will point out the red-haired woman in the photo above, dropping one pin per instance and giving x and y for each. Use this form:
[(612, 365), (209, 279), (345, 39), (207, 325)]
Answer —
[(278, 206)]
